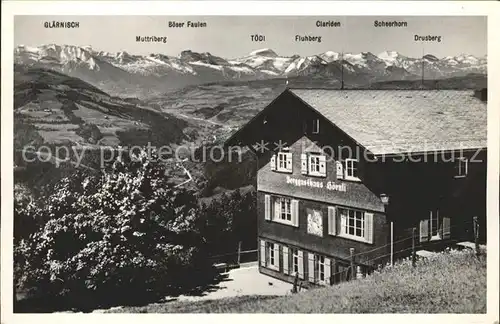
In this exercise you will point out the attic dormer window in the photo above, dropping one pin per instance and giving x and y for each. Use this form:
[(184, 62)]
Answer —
[(313, 164), (282, 162), (315, 126), (351, 169)]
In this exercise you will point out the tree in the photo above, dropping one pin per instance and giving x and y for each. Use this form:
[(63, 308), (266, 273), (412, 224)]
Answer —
[(120, 237), (245, 221), (228, 219), (26, 215)]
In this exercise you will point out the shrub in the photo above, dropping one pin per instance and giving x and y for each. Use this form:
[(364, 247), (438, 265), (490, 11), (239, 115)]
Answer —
[(227, 219), (122, 237), (26, 213)]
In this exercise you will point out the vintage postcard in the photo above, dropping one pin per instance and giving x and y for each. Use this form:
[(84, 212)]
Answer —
[(176, 161)]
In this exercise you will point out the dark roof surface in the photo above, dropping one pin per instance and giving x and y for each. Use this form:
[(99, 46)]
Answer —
[(403, 121)]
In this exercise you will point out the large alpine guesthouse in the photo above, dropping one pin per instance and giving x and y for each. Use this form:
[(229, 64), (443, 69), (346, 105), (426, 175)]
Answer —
[(349, 180)]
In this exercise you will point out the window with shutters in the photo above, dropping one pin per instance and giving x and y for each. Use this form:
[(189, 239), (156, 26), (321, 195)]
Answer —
[(284, 162), (435, 227), (320, 261), (272, 255), (281, 161), (352, 222), (320, 269), (461, 167), (355, 224), (314, 164), (283, 210), (295, 261), (351, 169)]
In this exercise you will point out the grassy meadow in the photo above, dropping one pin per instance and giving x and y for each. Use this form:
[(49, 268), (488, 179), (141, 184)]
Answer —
[(451, 282)]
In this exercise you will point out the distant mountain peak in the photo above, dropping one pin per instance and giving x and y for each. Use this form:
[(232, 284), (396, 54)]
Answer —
[(159, 71), (430, 57), (370, 56), (264, 52), (389, 53), (159, 56), (189, 55), (124, 57), (329, 56), (55, 46), (330, 53)]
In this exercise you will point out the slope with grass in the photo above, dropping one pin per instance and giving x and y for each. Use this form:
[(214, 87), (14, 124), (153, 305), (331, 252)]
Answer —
[(59, 113), (54, 108), (451, 282)]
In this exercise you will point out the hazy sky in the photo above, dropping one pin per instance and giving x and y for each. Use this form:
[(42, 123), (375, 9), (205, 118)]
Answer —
[(229, 36)]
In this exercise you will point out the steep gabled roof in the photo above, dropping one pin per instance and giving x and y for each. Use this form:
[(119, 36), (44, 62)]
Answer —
[(403, 121), (400, 121)]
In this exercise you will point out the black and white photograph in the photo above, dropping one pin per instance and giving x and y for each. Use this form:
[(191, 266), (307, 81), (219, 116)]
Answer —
[(328, 164)]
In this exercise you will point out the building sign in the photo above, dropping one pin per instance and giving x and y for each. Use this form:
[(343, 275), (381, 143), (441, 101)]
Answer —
[(329, 185), (314, 222)]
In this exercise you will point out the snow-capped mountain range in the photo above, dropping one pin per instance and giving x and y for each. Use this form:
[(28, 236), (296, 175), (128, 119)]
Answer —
[(123, 72)]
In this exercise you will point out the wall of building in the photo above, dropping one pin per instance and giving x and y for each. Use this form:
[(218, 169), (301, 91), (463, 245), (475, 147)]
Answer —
[(339, 269), (352, 193), (328, 245), (414, 188)]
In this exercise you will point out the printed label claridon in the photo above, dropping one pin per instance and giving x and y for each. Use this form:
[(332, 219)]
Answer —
[(329, 23)]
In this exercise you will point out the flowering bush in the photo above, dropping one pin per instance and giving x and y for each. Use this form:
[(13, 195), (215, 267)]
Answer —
[(123, 236)]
